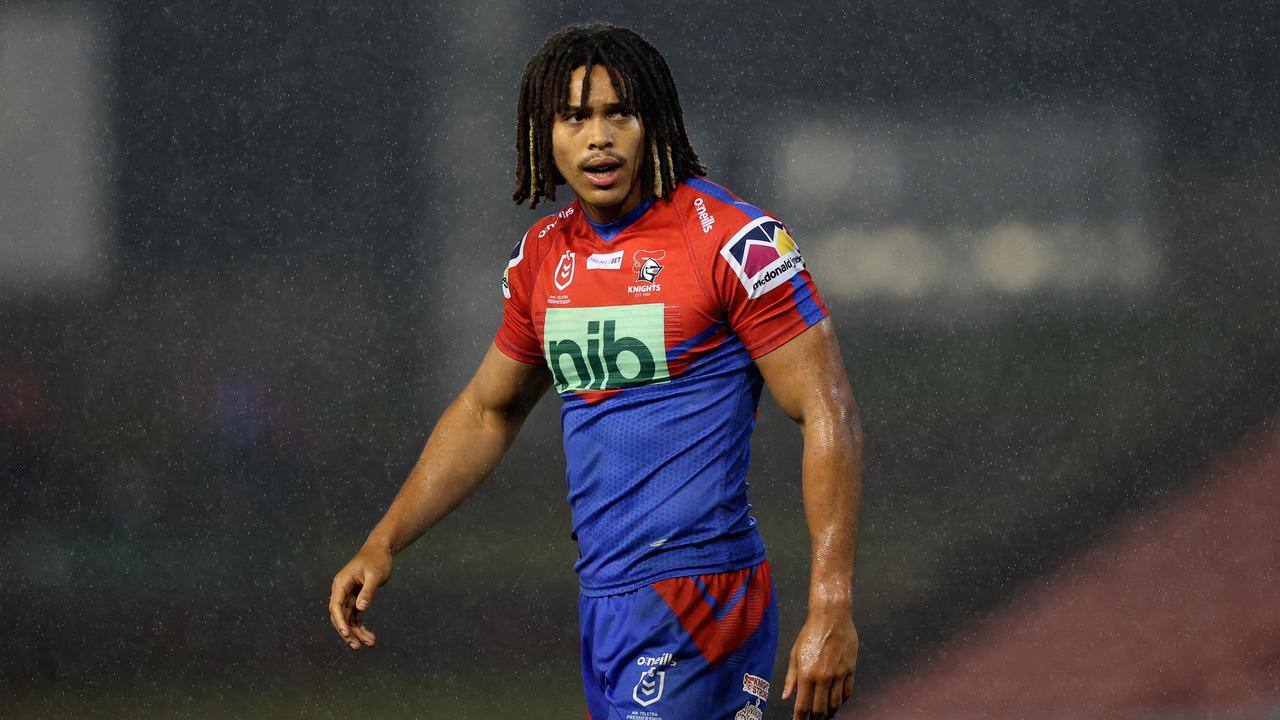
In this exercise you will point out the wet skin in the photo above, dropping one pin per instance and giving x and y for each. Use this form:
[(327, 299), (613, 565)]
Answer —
[(600, 135)]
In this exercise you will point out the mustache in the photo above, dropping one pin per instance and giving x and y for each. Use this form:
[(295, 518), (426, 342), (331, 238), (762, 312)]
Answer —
[(601, 156)]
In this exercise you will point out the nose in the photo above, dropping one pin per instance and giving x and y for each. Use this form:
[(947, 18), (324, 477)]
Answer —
[(599, 133)]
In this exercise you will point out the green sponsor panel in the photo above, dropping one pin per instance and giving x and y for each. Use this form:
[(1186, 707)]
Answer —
[(606, 348)]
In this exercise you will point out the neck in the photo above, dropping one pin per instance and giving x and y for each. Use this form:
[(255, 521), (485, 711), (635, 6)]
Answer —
[(605, 214)]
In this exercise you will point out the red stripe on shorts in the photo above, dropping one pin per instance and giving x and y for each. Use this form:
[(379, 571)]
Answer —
[(717, 638)]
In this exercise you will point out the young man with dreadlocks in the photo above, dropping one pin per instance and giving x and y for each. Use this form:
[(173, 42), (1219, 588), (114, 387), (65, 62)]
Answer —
[(658, 304)]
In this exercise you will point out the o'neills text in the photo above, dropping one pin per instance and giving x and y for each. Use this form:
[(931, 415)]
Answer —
[(705, 218)]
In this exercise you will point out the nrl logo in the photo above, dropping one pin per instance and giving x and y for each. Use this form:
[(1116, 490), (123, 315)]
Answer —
[(564, 270), (648, 689), (646, 265)]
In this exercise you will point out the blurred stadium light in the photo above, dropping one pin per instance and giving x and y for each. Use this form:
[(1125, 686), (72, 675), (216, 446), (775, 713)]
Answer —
[(956, 210), (53, 238), (310, 201)]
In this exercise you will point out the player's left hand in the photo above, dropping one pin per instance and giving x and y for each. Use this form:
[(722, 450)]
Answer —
[(820, 671)]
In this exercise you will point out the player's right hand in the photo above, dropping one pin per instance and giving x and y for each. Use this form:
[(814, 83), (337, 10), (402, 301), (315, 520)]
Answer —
[(352, 594)]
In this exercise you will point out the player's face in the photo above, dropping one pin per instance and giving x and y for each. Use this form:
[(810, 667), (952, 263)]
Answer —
[(597, 147)]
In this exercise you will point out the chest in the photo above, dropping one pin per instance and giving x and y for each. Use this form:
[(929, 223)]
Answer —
[(611, 315)]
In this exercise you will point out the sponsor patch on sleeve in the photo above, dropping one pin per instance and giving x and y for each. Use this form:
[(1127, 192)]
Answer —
[(517, 254), (763, 256)]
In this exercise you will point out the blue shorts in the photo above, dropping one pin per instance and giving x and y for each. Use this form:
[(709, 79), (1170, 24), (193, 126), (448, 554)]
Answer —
[(690, 648)]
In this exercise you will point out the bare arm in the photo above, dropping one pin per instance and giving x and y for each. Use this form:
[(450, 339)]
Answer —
[(465, 446), (468, 441), (807, 378)]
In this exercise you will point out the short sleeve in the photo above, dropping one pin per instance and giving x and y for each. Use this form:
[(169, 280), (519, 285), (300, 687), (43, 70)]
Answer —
[(768, 295), (516, 337)]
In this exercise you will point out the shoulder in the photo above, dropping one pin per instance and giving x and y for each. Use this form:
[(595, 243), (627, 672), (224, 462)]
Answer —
[(542, 234), (544, 230), (725, 220), (717, 210), (716, 218), (752, 244), (535, 242)]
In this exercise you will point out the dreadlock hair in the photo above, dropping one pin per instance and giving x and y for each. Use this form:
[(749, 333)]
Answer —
[(641, 79)]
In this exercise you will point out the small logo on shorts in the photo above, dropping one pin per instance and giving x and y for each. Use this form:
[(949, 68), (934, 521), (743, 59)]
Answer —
[(757, 686), (663, 660), (649, 688)]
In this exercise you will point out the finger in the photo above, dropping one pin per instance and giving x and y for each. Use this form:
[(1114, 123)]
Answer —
[(848, 687), (836, 697), (362, 631), (804, 700), (789, 684), (337, 599), (353, 624), (366, 595), (351, 618), (821, 693)]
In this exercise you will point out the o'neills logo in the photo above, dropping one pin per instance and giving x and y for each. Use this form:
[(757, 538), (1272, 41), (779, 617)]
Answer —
[(705, 218), (648, 689), (772, 274), (663, 660)]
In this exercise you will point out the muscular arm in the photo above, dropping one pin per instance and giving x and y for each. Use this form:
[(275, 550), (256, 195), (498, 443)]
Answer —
[(807, 378), (468, 441), (466, 444)]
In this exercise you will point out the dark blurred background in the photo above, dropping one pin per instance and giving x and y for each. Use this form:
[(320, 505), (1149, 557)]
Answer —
[(249, 252)]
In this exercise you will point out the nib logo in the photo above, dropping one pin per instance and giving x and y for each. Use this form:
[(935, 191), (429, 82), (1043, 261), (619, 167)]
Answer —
[(606, 348)]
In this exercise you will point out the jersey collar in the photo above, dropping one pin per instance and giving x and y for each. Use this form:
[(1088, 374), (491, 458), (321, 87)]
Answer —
[(609, 231)]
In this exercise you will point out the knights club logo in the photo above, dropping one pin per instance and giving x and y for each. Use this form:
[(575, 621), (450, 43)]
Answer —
[(646, 265), (564, 270)]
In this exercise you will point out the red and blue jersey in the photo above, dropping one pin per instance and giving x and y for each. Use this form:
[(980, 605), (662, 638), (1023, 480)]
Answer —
[(649, 326)]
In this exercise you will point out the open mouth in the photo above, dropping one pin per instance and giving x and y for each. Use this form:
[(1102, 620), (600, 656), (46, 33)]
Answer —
[(602, 172), (603, 167)]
